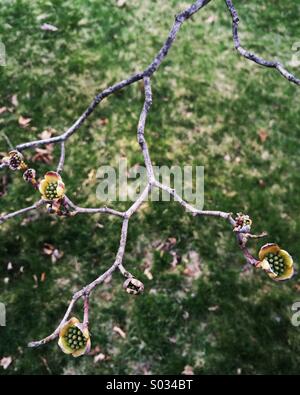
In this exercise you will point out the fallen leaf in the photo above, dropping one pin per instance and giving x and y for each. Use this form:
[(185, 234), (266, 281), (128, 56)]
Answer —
[(148, 273), (48, 27), (188, 370), (94, 351), (186, 315), (3, 109), (24, 122), (108, 279), (5, 362), (14, 100), (100, 357), (211, 19), (263, 135), (167, 245), (103, 121), (43, 277), (193, 267), (53, 252), (119, 331), (121, 3), (36, 281), (213, 308), (44, 155), (46, 134), (262, 183), (48, 249), (176, 259), (90, 179), (9, 266)]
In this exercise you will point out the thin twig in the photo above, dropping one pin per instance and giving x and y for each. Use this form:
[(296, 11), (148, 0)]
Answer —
[(150, 70), (85, 292), (4, 218), (251, 56), (62, 157), (88, 289)]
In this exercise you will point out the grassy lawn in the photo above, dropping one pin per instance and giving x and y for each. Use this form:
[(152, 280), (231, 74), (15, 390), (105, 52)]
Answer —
[(211, 108)]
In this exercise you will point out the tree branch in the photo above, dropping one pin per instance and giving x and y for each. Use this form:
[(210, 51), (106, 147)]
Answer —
[(145, 75), (251, 56)]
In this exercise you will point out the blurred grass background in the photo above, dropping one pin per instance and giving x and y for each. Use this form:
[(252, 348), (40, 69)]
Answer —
[(211, 108)]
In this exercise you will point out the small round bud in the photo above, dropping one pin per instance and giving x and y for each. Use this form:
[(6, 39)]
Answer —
[(15, 160), (29, 175), (133, 286)]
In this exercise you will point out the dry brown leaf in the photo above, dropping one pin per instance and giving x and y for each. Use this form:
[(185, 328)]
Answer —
[(94, 351), (53, 252), (148, 273), (193, 267), (167, 245), (103, 121), (5, 362), (188, 370), (99, 357), (44, 154), (211, 19), (90, 179), (119, 331), (43, 277), (14, 100), (108, 279), (176, 259), (36, 281), (263, 135), (121, 3), (46, 134), (48, 27), (48, 249), (24, 122), (213, 308)]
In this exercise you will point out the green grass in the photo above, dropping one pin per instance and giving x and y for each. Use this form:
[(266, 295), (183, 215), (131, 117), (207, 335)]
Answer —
[(208, 104)]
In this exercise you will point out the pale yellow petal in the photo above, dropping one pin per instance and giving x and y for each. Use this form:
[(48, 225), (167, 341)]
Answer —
[(52, 176), (268, 249), (60, 189), (72, 322), (42, 187), (64, 346), (288, 260), (288, 273)]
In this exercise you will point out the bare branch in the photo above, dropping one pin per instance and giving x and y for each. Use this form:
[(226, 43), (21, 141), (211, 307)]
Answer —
[(85, 292), (100, 210), (251, 56), (179, 19), (4, 218), (70, 208), (62, 157)]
